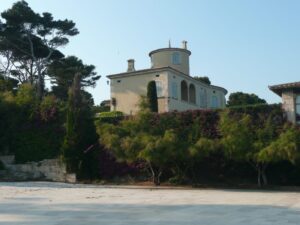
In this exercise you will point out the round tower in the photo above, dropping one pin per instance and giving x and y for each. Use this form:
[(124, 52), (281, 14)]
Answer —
[(177, 58)]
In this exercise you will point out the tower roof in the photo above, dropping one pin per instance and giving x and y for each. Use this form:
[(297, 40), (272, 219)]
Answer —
[(170, 49)]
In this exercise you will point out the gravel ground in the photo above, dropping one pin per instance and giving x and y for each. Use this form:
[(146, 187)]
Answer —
[(44, 203)]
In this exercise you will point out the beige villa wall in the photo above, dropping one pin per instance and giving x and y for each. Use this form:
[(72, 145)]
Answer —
[(164, 59), (129, 90), (179, 105)]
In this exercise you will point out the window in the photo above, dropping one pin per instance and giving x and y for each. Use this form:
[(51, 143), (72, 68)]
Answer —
[(203, 98), (174, 89), (222, 100), (152, 63), (192, 94), (176, 58), (159, 88), (298, 108), (214, 102), (184, 91)]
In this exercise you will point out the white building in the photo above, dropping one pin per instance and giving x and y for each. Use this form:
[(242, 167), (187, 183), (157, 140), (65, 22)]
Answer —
[(290, 94), (176, 89)]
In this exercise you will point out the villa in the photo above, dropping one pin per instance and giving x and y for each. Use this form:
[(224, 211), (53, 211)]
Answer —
[(176, 88), (290, 94)]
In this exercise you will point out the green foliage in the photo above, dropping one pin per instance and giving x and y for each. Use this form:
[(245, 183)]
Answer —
[(29, 42), (256, 142), (109, 117), (237, 136), (80, 135), (243, 99), (27, 125), (99, 109), (181, 144), (152, 96), (62, 72), (203, 80), (110, 114), (37, 142), (285, 147), (1, 166), (26, 95), (104, 106), (47, 107), (7, 84), (204, 147), (156, 140)]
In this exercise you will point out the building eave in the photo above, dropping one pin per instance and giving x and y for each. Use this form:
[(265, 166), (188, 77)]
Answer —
[(137, 72), (161, 69), (278, 89)]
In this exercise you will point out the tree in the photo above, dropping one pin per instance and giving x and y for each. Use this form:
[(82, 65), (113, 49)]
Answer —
[(260, 145), (152, 96), (62, 72), (285, 147), (240, 99), (80, 136), (7, 84), (29, 41), (203, 80), (130, 144)]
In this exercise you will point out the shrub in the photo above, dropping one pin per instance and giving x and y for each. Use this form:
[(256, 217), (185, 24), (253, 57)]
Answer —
[(109, 117), (1, 165)]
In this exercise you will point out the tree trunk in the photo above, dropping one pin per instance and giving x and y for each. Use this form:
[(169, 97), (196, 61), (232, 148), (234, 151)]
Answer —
[(40, 83), (259, 176), (264, 176), (155, 175)]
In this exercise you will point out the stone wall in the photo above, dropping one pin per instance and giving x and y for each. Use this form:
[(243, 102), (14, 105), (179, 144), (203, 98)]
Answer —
[(48, 170)]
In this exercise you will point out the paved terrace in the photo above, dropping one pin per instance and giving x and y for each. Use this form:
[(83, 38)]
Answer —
[(42, 203)]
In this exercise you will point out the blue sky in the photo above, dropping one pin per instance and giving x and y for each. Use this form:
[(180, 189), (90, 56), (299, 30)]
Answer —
[(242, 45)]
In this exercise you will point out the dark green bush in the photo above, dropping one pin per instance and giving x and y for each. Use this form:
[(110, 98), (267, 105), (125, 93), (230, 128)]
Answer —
[(1, 166), (32, 131), (36, 142)]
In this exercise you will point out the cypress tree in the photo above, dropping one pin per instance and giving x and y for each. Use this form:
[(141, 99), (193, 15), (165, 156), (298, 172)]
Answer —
[(80, 135), (152, 96)]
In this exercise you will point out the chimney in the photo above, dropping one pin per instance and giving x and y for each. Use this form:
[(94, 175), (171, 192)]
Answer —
[(184, 44), (130, 65)]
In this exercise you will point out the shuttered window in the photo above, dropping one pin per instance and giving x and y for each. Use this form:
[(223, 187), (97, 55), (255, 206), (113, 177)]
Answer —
[(159, 88), (174, 88)]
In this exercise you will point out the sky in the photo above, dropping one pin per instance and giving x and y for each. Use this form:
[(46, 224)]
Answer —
[(241, 45)]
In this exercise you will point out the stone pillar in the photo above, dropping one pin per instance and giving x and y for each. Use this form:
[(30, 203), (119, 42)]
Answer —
[(288, 105)]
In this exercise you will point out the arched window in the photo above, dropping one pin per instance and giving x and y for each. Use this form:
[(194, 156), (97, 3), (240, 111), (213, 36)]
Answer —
[(184, 91), (159, 88), (176, 60), (203, 98), (298, 108), (214, 102), (192, 94), (174, 89)]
